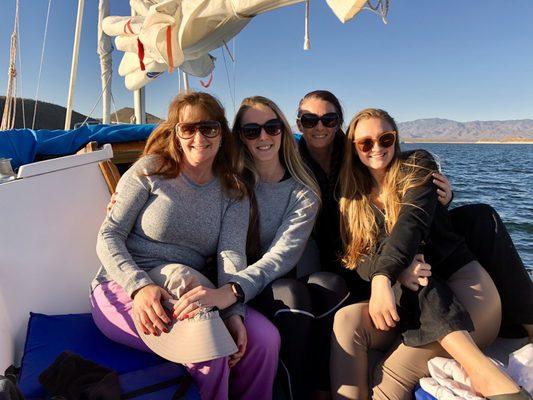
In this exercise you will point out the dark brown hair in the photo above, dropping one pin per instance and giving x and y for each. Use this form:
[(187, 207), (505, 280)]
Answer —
[(324, 95)]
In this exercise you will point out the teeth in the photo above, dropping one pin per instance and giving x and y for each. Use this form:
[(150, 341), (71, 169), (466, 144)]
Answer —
[(264, 147), (319, 136)]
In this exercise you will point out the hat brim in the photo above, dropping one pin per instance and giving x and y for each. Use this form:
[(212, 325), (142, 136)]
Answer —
[(192, 340)]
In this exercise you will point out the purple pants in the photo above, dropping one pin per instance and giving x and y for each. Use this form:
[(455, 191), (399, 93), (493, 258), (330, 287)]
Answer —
[(251, 378)]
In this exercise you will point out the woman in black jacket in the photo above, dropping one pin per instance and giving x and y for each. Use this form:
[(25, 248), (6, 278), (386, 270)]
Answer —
[(391, 223)]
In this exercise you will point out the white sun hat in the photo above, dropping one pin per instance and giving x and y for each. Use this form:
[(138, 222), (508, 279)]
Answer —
[(201, 338)]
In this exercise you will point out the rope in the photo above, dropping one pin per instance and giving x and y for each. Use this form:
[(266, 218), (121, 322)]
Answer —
[(41, 65), (20, 75), (97, 101), (10, 105), (381, 8), (114, 108), (234, 70), (228, 79)]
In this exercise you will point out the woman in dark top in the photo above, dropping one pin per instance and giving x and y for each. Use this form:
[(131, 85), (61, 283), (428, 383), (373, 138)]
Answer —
[(486, 236), (391, 223)]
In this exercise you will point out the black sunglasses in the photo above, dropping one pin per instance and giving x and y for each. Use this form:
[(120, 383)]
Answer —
[(251, 131), (329, 120), (209, 129)]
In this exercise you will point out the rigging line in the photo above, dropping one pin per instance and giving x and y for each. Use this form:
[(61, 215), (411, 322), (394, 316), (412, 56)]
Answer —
[(234, 69), (41, 65), (10, 103), (97, 101), (20, 72), (228, 79), (114, 108)]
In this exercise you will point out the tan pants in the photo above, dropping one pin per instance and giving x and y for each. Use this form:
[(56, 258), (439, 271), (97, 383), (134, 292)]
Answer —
[(395, 375)]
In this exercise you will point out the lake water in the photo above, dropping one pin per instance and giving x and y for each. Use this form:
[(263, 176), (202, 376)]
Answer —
[(499, 175)]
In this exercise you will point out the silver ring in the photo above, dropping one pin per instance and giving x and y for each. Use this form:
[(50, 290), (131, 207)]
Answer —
[(198, 304)]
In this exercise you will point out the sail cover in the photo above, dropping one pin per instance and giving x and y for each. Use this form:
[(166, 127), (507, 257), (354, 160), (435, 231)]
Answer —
[(167, 34)]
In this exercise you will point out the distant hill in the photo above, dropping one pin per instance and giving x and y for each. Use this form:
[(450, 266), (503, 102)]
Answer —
[(437, 129), (49, 116), (52, 116)]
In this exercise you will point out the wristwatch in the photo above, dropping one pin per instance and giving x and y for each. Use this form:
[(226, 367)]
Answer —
[(237, 291)]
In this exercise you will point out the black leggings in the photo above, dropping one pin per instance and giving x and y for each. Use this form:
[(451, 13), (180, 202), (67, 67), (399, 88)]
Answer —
[(303, 311), (487, 237)]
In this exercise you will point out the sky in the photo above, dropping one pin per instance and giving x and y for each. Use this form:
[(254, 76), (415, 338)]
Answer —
[(460, 60)]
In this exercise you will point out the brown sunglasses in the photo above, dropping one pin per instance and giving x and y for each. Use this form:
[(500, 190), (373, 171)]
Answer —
[(386, 139)]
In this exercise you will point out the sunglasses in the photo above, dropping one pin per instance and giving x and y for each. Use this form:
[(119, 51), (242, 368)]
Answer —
[(329, 120), (272, 127), (386, 139), (209, 129)]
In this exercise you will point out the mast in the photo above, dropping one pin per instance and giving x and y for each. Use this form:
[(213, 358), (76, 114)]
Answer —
[(106, 62), (185, 78), (74, 67), (139, 102)]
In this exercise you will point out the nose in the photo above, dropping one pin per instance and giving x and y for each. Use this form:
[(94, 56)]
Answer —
[(263, 135), (198, 137), (320, 126)]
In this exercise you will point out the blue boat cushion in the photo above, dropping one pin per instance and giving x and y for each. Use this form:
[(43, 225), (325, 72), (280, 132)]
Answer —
[(421, 394), (49, 335)]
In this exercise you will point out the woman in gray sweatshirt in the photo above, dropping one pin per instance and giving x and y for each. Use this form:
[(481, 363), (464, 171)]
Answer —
[(283, 205), (182, 203)]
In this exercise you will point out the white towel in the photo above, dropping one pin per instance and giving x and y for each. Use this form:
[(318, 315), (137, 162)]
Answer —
[(449, 381)]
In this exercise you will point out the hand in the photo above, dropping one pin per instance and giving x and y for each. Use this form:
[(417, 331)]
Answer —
[(382, 305), (200, 297), (417, 274), (444, 189), (112, 202), (148, 311), (238, 332)]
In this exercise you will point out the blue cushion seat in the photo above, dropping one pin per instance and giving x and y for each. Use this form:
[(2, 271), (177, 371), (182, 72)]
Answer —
[(49, 335), (421, 394)]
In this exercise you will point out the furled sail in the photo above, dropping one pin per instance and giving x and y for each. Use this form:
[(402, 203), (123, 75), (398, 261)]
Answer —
[(167, 34)]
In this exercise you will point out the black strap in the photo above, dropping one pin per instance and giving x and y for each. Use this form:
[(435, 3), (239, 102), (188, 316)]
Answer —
[(12, 373), (184, 380)]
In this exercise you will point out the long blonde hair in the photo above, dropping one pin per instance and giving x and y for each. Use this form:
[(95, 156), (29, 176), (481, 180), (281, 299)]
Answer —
[(359, 230), (164, 143), (290, 158)]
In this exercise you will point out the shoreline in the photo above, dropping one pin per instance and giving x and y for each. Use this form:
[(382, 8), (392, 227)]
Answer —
[(454, 142)]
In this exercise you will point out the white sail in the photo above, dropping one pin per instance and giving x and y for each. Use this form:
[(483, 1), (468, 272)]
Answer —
[(168, 34)]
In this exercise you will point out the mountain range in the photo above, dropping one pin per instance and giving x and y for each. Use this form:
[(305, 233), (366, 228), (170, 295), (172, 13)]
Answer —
[(438, 129), (52, 116)]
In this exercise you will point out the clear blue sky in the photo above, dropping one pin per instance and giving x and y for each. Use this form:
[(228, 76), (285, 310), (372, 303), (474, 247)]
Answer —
[(462, 60)]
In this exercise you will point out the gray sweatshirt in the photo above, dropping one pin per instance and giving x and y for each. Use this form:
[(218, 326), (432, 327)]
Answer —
[(287, 212), (157, 221)]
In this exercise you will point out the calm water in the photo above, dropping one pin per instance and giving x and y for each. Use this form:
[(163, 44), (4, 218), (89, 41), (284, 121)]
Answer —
[(499, 175)]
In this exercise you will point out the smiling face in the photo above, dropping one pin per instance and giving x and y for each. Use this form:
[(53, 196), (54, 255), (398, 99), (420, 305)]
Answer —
[(265, 148), (318, 137), (379, 157), (198, 151)]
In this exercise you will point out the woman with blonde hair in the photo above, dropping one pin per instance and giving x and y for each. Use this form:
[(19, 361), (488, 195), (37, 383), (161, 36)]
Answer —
[(283, 207), (180, 204), (395, 232)]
